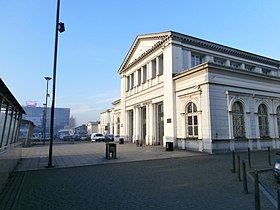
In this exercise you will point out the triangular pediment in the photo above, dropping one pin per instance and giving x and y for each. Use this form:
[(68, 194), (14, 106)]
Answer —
[(142, 45)]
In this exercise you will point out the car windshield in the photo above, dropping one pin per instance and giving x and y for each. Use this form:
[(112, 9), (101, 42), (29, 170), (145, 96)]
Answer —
[(98, 135)]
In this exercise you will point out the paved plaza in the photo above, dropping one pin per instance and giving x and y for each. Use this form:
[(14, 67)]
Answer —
[(140, 178)]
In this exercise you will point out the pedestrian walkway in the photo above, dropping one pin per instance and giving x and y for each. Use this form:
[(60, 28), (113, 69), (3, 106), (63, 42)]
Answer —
[(143, 178), (84, 153)]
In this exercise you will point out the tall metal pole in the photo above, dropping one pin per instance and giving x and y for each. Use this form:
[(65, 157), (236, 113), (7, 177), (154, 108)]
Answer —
[(54, 80), (46, 108)]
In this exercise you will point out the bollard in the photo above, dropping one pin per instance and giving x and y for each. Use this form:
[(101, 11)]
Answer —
[(249, 157), (257, 192), (278, 196), (233, 162), (238, 168), (269, 158), (245, 186)]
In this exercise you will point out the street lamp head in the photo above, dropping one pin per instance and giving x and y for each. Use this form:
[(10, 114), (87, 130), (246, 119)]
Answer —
[(61, 27), (48, 78)]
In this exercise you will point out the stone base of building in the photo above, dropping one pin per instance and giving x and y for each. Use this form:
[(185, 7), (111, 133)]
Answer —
[(226, 145)]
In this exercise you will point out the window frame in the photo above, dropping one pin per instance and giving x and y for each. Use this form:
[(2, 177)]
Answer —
[(144, 74), (153, 68), (263, 121), (191, 120), (160, 65), (278, 119), (196, 59), (238, 120)]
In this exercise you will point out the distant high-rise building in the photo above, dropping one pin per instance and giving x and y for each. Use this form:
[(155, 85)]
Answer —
[(36, 115), (31, 103)]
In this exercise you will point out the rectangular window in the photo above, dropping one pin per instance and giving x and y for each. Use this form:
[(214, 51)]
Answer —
[(234, 65), (3, 121), (219, 61), (160, 65), (195, 120), (266, 71), (263, 126), (278, 125), (190, 120), (132, 81), (196, 60), (195, 130), (249, 68), (127, 83), (154, 68), (8, 125), (144, 74), (139, 77), (190, 131)]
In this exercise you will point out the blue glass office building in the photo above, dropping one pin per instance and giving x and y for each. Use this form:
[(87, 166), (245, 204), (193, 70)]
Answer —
[(36, 115)]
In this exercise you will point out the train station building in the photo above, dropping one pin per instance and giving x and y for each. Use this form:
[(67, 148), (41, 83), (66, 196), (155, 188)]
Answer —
[(197, 94)]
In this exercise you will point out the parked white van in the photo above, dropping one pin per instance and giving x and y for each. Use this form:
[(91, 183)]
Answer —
[(97, 137)]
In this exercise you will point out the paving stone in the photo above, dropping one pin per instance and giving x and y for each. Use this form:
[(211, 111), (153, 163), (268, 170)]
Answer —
[(140, 178)]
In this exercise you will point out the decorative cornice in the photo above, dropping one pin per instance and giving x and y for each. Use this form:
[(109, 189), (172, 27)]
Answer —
[(116, 102), (164, 37), (223, 49), (185, 39)]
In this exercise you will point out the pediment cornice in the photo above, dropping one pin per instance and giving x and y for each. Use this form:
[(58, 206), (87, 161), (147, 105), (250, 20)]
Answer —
[(165, 37), (185, 39), (162, 37)]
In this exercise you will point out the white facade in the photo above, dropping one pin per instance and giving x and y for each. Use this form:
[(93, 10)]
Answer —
[(116, 113), (79, 130), (199, 95), (110, 120), (105, 122), (92, 127)]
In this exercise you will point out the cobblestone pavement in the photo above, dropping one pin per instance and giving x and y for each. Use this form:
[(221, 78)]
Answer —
[(181, 181), (84, 153)]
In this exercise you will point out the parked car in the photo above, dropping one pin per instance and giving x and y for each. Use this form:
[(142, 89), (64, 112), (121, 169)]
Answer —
[(109, 137), (276, 170), (97, 137), (74, 137), (66, 138), (86, 137)]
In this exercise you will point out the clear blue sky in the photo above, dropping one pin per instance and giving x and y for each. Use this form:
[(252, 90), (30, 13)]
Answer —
[(99, 34)]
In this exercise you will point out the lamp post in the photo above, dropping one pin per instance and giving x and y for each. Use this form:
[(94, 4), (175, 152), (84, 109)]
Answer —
[(58, 27), (46, 109)]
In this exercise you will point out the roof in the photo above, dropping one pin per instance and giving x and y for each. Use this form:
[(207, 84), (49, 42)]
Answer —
[(27, 122), (6, 93), (116, 102), (164, 37)]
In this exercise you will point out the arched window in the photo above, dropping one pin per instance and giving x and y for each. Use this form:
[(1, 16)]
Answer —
[(263, 121), (191, 120), (278, 120), (238, 120)]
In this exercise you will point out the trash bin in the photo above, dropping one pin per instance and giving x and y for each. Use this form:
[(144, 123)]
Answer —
[(121, 141), (169, 146), (111, 149), (138, 143)]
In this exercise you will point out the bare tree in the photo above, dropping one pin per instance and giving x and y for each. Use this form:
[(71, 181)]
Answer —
[(72, 122)]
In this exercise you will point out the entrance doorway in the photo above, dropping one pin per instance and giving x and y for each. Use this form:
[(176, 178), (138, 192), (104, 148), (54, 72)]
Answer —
[(143, 124), (159, 124), (130, 125)]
